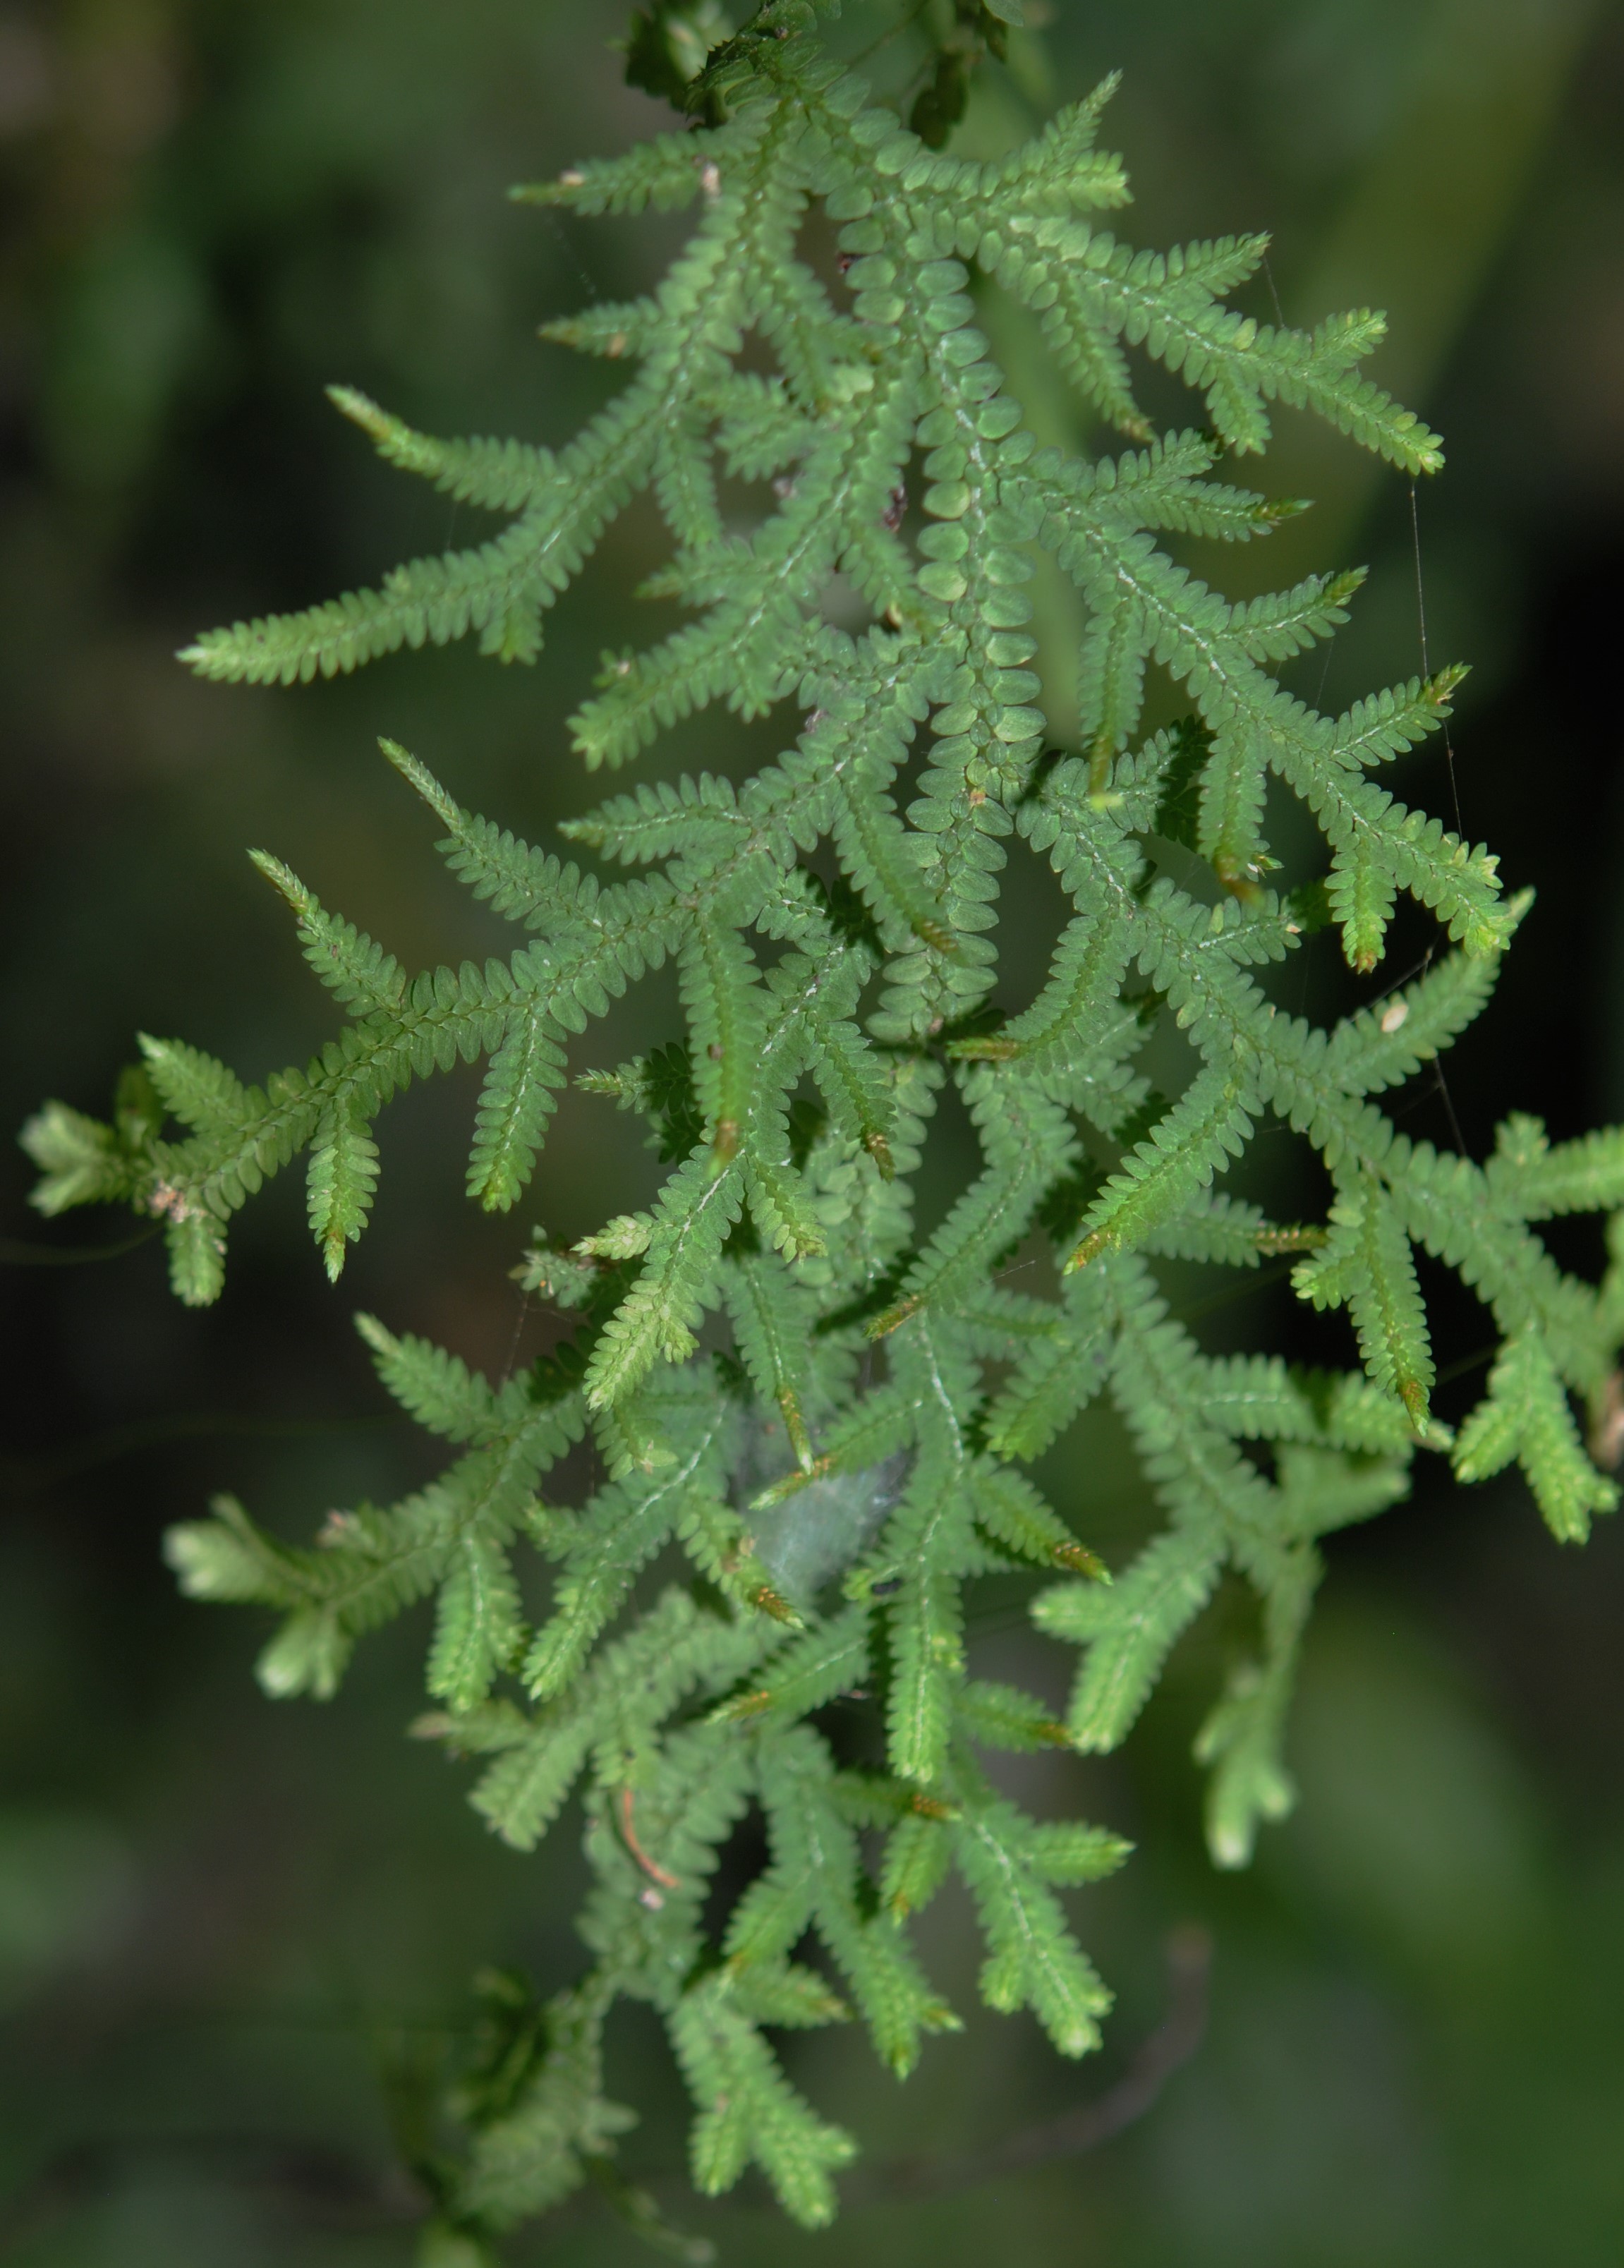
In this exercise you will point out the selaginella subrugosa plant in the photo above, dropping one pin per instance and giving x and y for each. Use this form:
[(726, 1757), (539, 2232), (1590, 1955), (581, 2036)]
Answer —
[(814, 1423)]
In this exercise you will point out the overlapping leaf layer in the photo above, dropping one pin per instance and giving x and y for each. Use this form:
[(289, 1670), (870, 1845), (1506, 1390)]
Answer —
[(825, 1414)]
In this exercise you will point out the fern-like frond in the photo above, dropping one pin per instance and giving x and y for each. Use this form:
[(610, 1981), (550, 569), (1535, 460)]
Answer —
[(807, 1401)]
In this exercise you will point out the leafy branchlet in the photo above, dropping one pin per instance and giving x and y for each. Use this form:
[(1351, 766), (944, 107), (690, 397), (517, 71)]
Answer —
[(843, 1462)]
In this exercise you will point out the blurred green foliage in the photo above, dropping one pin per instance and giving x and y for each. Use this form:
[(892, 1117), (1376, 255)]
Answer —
[(230, 1935)]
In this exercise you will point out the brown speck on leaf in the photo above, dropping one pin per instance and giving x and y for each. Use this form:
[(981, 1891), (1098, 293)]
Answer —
[(892, 516), (617, 346)]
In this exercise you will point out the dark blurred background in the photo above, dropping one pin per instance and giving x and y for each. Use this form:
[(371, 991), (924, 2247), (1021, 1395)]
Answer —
[(223, 1923)]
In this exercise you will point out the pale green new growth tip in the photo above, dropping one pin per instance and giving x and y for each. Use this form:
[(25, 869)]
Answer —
[(813, 1421)]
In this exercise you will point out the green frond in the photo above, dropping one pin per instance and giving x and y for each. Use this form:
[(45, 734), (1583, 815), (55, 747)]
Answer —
[(815, 1879), (1321, 1490), (82, 1161), (812, 1669), (1384, 1045), (772, 1326), (1209, 1125), (437, 1388), (619, 1531), (429, 601), (479, 1629), (371, 1564), (522, 884), (657, 1320), (1525, 1415), (853, 1084), (533, 2140), (1159, 487), (1228, 1232), (364, 976), (1360, 892), (1129, 1628), (499, 589), (524, 1791), (748, 2111), (667, 819), (1389, 724), (1242, 1739), (630, 1689), (727, 1004), (760, 427), (1012, 1512), (1077, 1030), (1534, 1181), (926, 1540), (804, 1396), (608, 329), (193, 1087), (870, 1431), (500, 476), (228, 1557), (663, 171), (1059, 1375), (885, 865), (1033, 1959), (526, 1075), (1098, 292), (1259, 1398), (1029, 1145), (1003, 1717), (1057, 170), (342, 1179), (1366, 1265), (918, 1856)]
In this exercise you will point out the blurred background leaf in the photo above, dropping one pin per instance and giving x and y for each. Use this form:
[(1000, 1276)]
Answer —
[(228, 1928)]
